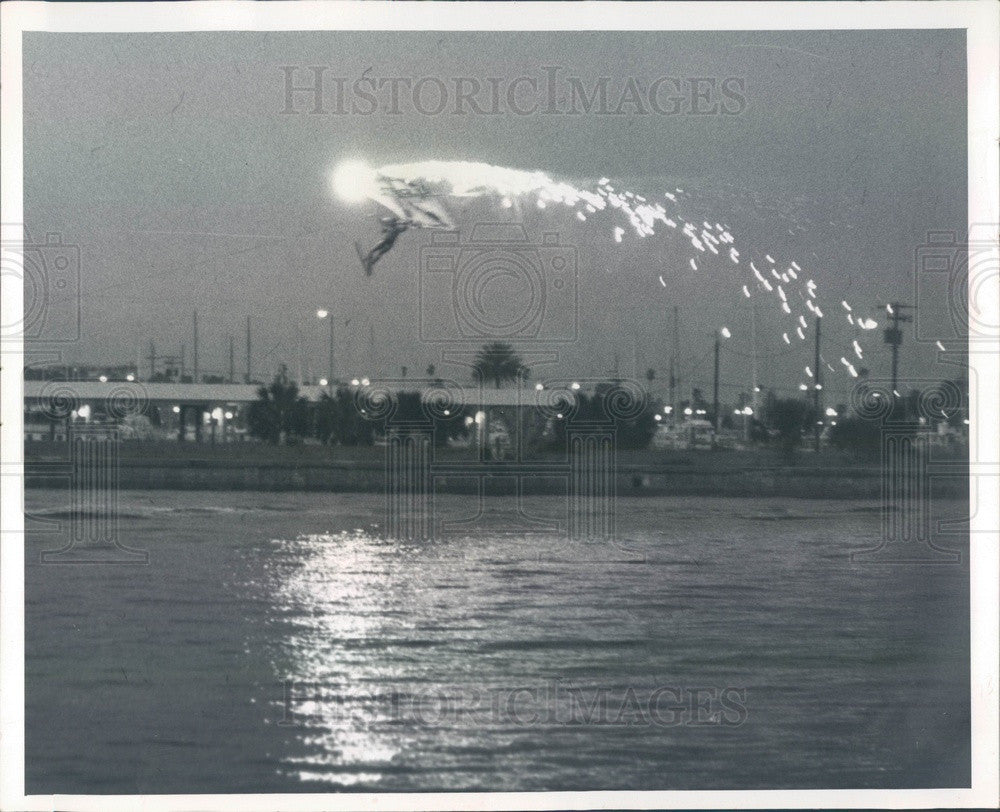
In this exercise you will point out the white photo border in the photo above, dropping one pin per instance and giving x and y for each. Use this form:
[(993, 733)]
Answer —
[(981, 21)]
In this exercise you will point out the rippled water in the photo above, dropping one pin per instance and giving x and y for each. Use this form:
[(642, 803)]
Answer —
[(278, 643)]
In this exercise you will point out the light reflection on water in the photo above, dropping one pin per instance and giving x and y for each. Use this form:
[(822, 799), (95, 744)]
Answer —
[(452, 664), (279, 643), (332, 589)]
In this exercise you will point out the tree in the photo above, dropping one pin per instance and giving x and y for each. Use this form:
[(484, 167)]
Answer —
[(632, 430), (789, 417), (280, 413), (498, 363), (338, 420), (411, 412), (860, 437)]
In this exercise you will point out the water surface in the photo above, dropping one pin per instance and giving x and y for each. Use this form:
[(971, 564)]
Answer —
[(277, 642)]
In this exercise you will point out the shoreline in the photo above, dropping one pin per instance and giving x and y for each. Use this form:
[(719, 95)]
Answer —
[(268, 469)]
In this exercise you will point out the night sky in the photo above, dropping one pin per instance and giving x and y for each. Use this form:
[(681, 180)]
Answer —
[(168, 160)]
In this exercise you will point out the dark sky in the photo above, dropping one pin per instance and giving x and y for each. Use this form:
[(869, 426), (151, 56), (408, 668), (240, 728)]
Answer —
[(168, 160)]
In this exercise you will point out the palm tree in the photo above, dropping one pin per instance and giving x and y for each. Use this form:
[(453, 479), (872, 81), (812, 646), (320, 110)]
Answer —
[(280, 412), (497, 362)]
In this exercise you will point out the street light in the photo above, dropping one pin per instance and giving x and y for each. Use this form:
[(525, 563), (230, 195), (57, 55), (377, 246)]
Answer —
[(327, 314)]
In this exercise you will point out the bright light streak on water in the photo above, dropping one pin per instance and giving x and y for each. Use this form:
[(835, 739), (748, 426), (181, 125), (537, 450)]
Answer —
[(170, 678)]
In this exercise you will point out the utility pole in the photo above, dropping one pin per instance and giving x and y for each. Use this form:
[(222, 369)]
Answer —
[(330, 366), (232, 359), (152, 360), (248, 350), (893, 336), (195, 346), (180, 373), (817, 391), (753, 368), (715, 390), (673, 374)]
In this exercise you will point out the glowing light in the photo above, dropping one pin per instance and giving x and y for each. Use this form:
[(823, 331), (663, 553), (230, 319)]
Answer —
[(803, 387), (390, 184), (365, 382), (323, 381), (355, 382), (355, 181), (785, 337), (176, 410), (940, 346), (867, 324), (229, 415), (103, 379), (668, 409), (726, 332), (657, 417), (322, 314), (574, 386), (688, 411), (830, 412), (130, 377)]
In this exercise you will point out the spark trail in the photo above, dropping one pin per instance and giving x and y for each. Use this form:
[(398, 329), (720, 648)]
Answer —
[(407, 189)]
